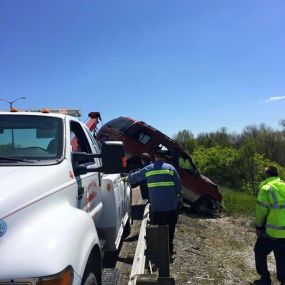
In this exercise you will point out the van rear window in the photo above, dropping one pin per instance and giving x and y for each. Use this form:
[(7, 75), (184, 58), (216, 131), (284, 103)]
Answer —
[(120, 124)]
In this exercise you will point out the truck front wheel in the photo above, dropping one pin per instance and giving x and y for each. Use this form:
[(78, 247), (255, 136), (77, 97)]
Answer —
[(93, 270), (90, 280)]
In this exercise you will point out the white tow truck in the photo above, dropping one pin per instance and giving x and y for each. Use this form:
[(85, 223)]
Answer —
[(62, 200)]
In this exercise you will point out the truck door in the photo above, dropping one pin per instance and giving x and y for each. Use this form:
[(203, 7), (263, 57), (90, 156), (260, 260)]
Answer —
[(89, 196)]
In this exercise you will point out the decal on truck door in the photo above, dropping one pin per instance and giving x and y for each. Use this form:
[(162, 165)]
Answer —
[(91, 195), (3, 228)]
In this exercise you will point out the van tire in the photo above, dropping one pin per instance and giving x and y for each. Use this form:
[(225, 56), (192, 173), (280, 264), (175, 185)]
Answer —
[(203, 206)]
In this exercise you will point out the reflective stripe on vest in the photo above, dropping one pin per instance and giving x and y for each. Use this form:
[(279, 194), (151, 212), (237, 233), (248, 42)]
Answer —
[(275, 206), (162, 171), (275, 201), (159, 184), (261, 204), (275, 227)]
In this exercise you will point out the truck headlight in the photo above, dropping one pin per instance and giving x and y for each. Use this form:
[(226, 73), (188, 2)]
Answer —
[(65, 277)]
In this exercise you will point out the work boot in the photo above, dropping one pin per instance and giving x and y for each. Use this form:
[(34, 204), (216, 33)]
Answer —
[(262, 282)]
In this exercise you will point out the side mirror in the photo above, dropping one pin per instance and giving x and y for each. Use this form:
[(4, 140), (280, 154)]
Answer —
[(113, 157)]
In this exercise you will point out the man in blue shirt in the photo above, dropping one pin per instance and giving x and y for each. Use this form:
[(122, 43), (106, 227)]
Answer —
[(164, 187)]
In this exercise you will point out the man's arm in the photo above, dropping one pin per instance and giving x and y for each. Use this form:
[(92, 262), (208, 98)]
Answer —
[(177, 182), (138, 175), (262, 208)]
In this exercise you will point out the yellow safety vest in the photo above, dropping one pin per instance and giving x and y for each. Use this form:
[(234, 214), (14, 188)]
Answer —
[(270, 207)]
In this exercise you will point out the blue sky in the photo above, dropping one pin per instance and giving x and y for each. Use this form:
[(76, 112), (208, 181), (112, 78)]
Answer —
[(186, 64)]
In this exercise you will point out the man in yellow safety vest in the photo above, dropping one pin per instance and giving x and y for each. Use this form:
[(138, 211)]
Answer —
[(270, 226)]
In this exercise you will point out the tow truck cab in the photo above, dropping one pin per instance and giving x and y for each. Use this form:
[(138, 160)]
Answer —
[(139, 137), (63, 202)]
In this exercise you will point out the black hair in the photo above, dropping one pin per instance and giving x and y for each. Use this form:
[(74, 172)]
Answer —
[(145, 157), (271, 171)]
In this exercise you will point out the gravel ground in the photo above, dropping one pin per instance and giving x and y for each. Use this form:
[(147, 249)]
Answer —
[(208, 250), (215, 251)]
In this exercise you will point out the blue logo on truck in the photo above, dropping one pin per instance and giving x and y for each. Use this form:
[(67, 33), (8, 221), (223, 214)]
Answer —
[(3, 228)]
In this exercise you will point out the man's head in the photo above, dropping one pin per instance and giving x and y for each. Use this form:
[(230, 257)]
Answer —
[(271, 171), (146, 159), (160, 154)]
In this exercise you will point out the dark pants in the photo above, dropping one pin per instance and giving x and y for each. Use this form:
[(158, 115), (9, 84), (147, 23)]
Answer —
[(144, 189), (166, 218), (262, 248)]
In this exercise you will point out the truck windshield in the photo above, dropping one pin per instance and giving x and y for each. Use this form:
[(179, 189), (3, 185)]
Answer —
[(120, 124), (30, 138)]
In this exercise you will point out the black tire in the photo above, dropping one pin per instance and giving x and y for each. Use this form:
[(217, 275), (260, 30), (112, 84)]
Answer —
[(203, 206), (90, 280), (128, 228), (128, 225), (93, 270)]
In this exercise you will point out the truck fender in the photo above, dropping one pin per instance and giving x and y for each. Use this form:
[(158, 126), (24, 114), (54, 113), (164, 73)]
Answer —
[(42, 243), (116, 210)]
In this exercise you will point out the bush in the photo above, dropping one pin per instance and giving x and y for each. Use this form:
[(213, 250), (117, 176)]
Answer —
[(223, 165), (241, 169)]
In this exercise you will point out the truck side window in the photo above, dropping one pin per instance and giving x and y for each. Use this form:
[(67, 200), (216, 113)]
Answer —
[(79, 141), (96, 147)]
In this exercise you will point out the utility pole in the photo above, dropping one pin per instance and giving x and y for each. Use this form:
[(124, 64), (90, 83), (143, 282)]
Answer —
[(11, 106), (11, 102)]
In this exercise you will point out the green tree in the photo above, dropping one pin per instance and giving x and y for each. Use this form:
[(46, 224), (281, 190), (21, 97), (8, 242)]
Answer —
[(186, 140), (252, 166), (223, 165)]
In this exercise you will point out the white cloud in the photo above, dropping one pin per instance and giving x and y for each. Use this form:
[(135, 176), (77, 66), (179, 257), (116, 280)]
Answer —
[(270, 99)]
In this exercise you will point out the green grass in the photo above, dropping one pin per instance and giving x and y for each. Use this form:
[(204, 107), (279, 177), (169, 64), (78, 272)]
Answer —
[(236, 202)]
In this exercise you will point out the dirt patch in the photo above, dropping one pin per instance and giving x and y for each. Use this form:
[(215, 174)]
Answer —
[(215, 251)]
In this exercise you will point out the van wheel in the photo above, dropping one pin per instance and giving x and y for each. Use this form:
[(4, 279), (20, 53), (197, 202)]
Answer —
[(203, 206), (90, 280)]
